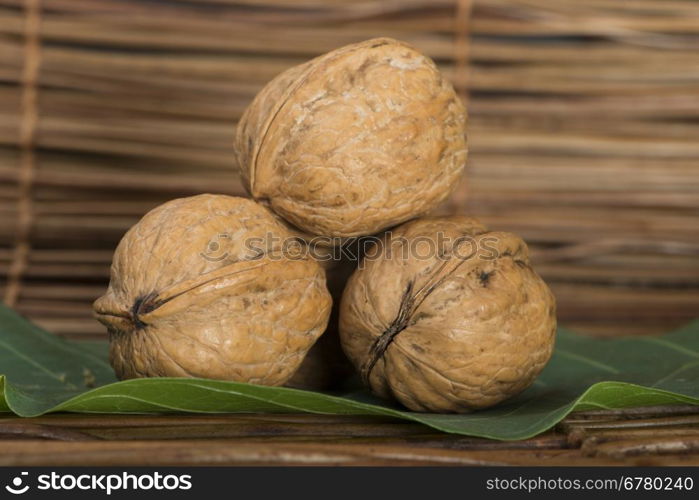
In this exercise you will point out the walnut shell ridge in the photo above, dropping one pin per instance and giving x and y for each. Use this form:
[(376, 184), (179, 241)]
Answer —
[(200, 288), (357, 140), (459, 322)]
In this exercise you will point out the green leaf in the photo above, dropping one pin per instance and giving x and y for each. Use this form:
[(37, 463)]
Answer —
[(43, 373)]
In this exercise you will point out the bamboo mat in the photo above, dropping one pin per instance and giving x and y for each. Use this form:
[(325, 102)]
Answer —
[(583, 134), (648, 436)]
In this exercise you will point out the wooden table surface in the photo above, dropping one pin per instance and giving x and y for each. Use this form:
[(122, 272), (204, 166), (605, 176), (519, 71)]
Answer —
[(644, 436)]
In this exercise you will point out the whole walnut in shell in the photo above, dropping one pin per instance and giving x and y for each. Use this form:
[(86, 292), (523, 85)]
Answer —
[(203, 287), (326, 366), (362, 138), (445, 316)]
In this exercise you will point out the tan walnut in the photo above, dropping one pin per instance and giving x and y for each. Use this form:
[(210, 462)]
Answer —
[(326, 366), (357, 140), (445, 316), (204, 287)]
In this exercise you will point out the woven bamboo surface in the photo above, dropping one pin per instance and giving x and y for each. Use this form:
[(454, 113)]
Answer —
[(653, 436), (583, 133)]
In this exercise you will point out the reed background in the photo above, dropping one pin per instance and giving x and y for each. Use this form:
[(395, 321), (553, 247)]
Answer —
[(583, 134)]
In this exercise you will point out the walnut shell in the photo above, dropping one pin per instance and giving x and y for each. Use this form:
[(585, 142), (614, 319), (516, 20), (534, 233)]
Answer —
[(326, 366), (195, 293), (458, 321), (357, 140)]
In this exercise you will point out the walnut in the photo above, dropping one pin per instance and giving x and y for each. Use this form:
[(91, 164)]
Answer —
[(357, 140), (209, 286), (445, 316), (326, 366)]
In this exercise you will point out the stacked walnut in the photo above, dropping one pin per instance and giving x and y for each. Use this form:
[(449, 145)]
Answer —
[(441, 314)]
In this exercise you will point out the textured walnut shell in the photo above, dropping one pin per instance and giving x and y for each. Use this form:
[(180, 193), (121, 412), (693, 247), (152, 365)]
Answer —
[(192, 295), (362, 138), (450, 334), (326, 366)]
